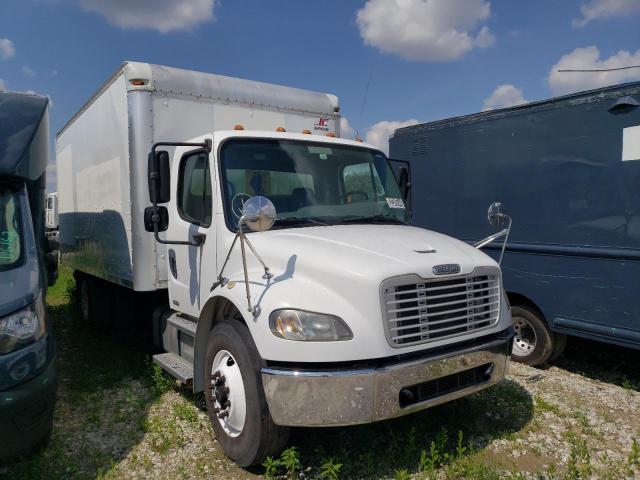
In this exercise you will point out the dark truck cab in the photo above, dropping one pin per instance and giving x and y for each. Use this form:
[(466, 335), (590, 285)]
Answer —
[(28, 264), (567, 170)]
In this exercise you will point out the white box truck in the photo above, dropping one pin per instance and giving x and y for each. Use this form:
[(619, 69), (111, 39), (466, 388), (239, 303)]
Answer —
[(298, 293)]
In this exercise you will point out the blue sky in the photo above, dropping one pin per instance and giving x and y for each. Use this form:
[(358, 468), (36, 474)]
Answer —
[(424, 59)]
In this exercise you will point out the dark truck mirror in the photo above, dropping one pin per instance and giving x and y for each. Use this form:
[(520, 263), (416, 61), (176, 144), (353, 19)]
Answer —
[(159, 175), (402, 171), (163, 218)]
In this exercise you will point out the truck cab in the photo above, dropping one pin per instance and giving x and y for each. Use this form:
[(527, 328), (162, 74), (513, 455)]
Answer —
[(287, 282), (28, 264), (332, 310)]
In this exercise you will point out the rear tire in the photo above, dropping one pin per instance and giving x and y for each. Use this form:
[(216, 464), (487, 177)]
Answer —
[(234, 390), (533, 343), (84, 296), (95, 301)]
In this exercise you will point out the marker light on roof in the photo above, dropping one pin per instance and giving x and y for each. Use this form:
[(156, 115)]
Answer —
[(331, 134), (238, 127), (280, 129), (306, 132)]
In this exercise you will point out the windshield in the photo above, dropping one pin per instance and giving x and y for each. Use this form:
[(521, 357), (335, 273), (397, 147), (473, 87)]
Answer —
[(10, 228), (311, 183)]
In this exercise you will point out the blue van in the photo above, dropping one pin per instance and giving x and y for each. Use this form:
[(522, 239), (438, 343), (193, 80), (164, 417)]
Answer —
[(567, 170), (28, 264)]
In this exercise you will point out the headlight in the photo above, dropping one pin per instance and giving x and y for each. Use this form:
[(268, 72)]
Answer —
[(308, 326), (22, 327)]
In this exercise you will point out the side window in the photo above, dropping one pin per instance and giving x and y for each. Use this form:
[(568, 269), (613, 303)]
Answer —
[(194, 189), (358, 178)]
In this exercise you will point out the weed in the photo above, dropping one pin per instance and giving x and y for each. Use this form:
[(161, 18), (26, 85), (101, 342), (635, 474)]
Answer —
[(164, 436), (633, 459), (544, 406), (289, 463), (271, 467), (579, 462), (160, 381), (185, 412), (290, 460), (402, 474), (329, 469)]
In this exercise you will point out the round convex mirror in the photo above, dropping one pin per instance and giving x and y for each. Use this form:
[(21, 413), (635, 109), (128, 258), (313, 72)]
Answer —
[(259, 213), (494, 215)]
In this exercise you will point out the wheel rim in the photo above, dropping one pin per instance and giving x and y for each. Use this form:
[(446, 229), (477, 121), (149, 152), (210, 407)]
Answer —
[(524, 340), (227, 393), (84, 301)]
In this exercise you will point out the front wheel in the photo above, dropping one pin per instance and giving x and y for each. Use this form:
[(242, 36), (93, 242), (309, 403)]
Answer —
[(235, 398)]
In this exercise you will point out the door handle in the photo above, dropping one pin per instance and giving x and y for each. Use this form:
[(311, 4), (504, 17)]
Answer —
[(198, 239), (172, 263)]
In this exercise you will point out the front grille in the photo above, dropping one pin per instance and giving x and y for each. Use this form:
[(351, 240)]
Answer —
[(418, 310)]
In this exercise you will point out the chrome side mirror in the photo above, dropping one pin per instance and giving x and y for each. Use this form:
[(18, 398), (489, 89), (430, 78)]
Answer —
[(495, 215), (258, 213), (497, 219)]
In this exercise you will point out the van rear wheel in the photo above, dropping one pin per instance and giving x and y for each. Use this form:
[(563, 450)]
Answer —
[(235, 398), (533, 343)]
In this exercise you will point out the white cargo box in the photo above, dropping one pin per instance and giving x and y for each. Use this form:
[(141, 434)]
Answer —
[(102, 156)]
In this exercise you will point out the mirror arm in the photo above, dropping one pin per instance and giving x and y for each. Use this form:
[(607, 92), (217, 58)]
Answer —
[(267, 274), (486, 241), (495, 236)]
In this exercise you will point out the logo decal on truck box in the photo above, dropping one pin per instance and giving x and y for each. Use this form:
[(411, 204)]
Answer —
[(322, 124)]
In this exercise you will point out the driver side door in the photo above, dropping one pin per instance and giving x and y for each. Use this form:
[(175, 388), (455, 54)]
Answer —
[(191, 219)]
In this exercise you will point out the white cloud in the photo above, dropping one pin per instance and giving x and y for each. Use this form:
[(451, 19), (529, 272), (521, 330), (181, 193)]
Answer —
[(602, 9), (425, 30), (28, 71), (7, 49), (346, 130), (504, 96), (161, 15), (379, 133), (3, 85), (588, 58)]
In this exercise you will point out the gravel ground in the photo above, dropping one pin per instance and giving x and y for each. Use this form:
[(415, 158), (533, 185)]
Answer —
[(118, 417)]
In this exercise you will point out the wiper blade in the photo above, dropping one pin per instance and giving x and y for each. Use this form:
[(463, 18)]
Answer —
[(291, 221), (374, 219)]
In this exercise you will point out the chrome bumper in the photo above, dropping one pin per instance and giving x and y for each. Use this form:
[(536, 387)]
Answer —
[(306, 398)]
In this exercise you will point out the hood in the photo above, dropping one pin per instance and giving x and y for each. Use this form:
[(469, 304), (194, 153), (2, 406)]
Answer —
[(374, 251)]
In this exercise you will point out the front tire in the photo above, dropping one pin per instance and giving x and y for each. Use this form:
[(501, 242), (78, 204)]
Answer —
[(235, 398), (534, 343)]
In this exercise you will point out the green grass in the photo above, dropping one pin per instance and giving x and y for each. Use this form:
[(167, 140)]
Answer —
[(108, 384)]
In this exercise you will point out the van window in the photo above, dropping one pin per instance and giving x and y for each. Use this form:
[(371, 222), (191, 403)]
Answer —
[(10, 228), (194, 189)]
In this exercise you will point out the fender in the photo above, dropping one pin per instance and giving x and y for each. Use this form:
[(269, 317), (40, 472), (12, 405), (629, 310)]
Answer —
[(208, 318)]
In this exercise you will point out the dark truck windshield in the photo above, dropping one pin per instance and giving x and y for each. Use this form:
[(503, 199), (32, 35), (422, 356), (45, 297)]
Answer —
[(310, 183), (10, 228)]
